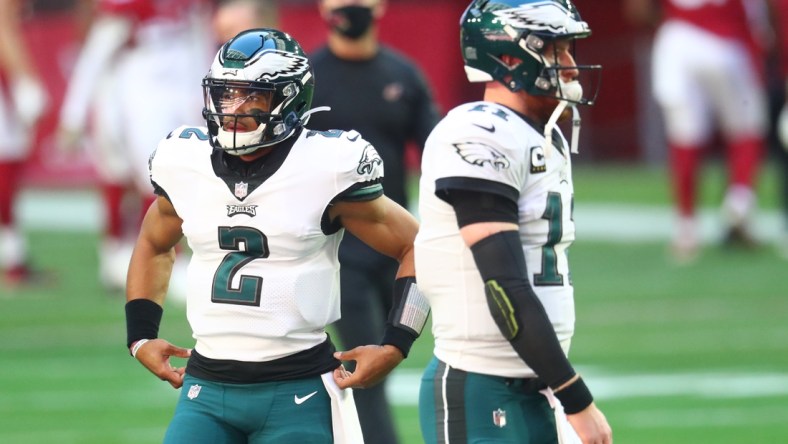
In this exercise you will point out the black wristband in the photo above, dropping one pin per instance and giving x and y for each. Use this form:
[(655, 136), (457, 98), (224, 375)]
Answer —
[(143, 317), (399, 338), (575, 397)]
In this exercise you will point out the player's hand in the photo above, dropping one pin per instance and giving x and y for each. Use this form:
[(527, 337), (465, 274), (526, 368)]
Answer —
[(373, 363), (155, 356), (591, 426), (69, 141)]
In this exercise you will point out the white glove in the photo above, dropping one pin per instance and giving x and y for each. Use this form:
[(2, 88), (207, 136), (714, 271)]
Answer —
[(30, 100)]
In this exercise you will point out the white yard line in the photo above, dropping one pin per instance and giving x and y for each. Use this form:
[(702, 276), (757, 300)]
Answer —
[(80, 210), (403, 385)]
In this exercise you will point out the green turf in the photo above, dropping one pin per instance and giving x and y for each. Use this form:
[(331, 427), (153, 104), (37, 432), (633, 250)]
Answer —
[(65, 376)]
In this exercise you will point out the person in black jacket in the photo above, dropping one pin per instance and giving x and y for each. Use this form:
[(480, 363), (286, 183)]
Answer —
[(381, 93)]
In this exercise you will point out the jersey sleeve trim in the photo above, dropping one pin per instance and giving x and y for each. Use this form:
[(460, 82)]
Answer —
[(361, 192), (445, 184), (159, 191)]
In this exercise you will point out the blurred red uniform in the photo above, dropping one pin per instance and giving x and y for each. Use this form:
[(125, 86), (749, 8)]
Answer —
[(707, 74), (781, 21), (136, 79), (23, 100)]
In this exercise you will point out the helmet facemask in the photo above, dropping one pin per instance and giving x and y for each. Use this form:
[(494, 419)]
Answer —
[(551, 82), (247, 116)]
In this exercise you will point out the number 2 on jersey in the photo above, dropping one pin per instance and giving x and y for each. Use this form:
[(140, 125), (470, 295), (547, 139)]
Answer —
[(250, 287)]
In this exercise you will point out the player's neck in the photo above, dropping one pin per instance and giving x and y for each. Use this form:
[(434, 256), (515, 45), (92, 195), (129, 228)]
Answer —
[(537, 108), (251, 157), (497, 93), (363, 48)]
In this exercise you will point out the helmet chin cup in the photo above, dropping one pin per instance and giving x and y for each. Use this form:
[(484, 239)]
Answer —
[(570, 91), (234, 142)]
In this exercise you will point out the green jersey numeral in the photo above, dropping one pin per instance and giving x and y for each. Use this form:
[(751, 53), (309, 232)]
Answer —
[(255, 247), (553, 213)]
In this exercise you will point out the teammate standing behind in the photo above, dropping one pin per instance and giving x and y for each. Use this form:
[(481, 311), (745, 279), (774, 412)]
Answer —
[(263, 203), (714, 82), (496, 199), (383, 95), (22, 102)]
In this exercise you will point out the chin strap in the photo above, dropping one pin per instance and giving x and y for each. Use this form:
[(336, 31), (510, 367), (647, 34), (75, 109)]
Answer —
[(549, 126), (575, 130), (551, 122), (308, 113)]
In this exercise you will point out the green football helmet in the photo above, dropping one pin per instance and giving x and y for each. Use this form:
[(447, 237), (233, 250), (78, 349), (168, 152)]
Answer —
[(522, 29), (262, 74)]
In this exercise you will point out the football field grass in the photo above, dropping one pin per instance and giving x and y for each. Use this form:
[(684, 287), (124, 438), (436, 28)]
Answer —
[(674, 354)]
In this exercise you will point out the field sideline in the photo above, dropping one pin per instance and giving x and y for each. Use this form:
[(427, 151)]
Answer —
[(675, 355)]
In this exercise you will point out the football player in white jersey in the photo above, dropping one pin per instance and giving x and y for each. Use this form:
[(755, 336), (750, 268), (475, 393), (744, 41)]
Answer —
[(263, 203), (496, 221)]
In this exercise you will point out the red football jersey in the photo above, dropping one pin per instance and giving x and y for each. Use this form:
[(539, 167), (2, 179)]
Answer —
[(726, 18), (782, 31), (144, 10)]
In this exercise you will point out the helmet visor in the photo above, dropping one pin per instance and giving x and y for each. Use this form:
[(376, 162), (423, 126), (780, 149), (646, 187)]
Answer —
[(239, 98)]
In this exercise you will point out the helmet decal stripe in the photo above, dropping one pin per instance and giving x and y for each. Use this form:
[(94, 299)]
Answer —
[(547, 16), (276, 64)]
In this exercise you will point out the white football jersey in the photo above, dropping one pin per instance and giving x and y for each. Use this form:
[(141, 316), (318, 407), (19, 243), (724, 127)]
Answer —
[(481, 144), (263, 280)]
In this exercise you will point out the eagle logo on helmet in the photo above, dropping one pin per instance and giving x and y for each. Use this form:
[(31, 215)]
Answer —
[(276, 64), (480, 154), (543, 16)]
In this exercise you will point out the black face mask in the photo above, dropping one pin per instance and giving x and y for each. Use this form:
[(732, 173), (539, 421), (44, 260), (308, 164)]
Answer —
[(351, 21)]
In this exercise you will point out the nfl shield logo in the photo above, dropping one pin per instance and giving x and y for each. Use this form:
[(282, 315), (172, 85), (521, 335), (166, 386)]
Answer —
[(499, 418), (241, 189), (194, 391)]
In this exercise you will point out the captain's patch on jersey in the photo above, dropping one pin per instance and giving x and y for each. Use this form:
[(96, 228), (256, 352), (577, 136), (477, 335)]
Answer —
[(480, 154), (538, 161), (369, 158), (234, 210)]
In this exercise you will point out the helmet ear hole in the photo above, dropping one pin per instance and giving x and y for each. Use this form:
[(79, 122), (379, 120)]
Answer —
[(510, 61)]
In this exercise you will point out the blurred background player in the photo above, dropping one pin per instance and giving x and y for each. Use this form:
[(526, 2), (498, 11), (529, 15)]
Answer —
[(780, 21), (707, 74), (23, 100), (234, 16), (130, 86), (383, 95)]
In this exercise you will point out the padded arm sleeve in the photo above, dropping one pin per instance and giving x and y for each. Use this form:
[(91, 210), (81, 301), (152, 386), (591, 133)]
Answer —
[(409, 312), (522, 318)]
